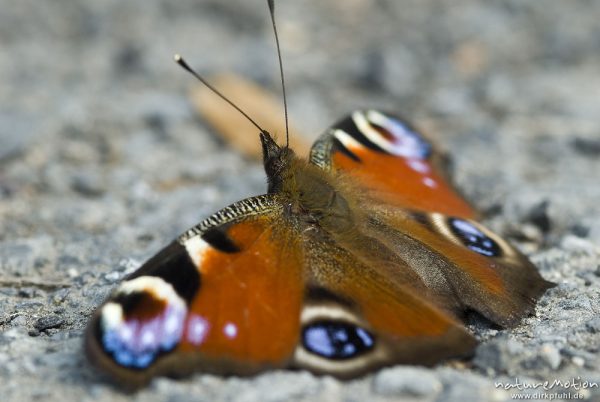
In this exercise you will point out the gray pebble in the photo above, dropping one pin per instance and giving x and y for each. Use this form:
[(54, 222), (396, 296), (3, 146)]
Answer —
[(406, 381), (19, 321), (551, 356), (33, 333), (99, 143), (29, 305), (60, 295), (466, 387), (589, 147), (88, 184), (593, 325), (539, 216), (499, 355), (112, 277), (47, 322), (28, 292)]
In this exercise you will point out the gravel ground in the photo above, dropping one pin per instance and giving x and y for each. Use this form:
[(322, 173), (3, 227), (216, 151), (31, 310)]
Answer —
[(103, 161)]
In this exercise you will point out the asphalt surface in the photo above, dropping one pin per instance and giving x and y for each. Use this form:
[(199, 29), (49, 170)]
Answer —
[(103, 160)]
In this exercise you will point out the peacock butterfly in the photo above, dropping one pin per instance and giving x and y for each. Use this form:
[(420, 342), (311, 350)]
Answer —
[(362, 256)]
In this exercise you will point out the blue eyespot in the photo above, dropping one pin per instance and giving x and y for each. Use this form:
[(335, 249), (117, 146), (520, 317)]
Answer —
[(136, 342), (473, 238), (409, 141), (396, 137), (337, 340)]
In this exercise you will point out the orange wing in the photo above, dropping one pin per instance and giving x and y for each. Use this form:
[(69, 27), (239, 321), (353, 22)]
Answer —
[(223, 298), (247, 290), (417, 213), (464, 263), (359, 315), (390, 158)]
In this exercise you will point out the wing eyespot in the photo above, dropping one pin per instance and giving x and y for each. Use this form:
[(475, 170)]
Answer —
[(337, 340), (473, 238), (144, 320), (391, 135), (466, 233)]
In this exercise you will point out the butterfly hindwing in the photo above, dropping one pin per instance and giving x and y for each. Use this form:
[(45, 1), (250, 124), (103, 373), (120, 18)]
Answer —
[(466, 264), (357, 317)]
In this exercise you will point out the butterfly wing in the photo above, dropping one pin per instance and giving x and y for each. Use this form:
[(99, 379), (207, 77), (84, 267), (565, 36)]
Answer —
[(389, 157), (358, 316), (415, 211), (245, 291), (224, 298), (464, 263)]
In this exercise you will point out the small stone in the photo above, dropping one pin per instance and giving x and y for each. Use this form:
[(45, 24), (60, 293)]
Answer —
[(60, 295), (465, 386), (406, 381), (33, 332), (551, 356), (128, 265), (145, 237), (539, 216), (580, 230), (72, 272), (27, 292), (593, 325), (19, 321), (47, 322), (578, 361), (589, 147), (88, 184), (29, 305), (40, 262), (112, 276), (276, 386), (498, 355), (532, 233)]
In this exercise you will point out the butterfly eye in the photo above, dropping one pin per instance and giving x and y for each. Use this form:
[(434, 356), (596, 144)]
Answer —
[(337, 340), (473, 238)]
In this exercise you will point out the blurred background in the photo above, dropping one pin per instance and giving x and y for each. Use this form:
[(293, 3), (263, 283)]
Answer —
[(103, 158), (92, 106)]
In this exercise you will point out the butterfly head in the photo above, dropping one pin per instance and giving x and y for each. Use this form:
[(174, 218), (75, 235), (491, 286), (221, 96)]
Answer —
[(277, 161)]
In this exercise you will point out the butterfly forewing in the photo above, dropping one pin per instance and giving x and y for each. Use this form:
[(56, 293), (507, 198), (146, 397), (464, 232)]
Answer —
[(225, 298), (394, 161)]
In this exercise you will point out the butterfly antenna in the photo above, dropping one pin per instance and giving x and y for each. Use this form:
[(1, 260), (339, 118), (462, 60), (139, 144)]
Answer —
[(285, 109), (179, 60)]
